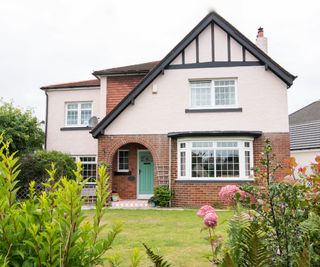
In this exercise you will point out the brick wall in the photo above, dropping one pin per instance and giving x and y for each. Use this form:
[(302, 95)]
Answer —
[(126, 188), (156, 144), (119, 87), (187, 194)]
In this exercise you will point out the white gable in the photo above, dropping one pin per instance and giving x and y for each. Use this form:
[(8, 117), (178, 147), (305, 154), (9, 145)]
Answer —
[(215, 40)]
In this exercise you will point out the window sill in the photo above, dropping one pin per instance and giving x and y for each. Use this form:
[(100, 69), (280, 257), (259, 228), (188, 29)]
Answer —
[(124, 173), (216, 180), (204, 110), (75, 128)]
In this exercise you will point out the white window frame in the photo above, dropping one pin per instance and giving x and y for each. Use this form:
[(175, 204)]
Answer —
[(118, 161), (77, 159), (213, 100), (79, 113), (241, 147)]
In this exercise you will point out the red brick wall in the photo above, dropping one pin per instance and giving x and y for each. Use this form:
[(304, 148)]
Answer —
[(107, 152), (120, 183), (187, 194), (281, 148), (119, 87)]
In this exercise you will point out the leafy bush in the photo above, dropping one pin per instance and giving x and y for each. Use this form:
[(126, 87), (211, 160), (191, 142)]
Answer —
[(50, 229), (162, 196), (275, 222), (34, 166)]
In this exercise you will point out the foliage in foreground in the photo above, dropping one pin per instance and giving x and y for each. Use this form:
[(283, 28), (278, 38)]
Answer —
[(276, 223), (50, 229), (22, 127)]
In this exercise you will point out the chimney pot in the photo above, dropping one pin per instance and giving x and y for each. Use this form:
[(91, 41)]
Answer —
[(261, 41), (260, 32)]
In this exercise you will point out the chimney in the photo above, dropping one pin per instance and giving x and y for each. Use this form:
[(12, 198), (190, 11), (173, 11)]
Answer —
[(261, 41)]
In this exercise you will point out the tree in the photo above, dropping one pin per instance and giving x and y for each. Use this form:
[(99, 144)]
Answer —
[(22, 127)]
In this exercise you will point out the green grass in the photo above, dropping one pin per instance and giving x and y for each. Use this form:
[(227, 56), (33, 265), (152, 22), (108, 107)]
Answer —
[(175, 234)]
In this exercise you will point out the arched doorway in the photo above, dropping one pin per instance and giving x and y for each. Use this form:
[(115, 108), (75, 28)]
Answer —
[(133, 175)]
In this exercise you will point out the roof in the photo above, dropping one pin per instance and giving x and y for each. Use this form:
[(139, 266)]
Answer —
[(305, 135), (212, 17), (142, 68), (308, 113), (87, 83)]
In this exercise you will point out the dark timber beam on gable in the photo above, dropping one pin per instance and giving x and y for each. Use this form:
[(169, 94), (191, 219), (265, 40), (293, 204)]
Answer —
[(216, 64), (212, 41), (229, 48)]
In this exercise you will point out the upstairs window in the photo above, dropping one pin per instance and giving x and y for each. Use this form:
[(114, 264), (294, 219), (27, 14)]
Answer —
[(78, 114), (213, 93)]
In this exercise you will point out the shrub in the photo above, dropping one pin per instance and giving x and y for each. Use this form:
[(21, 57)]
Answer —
[(273, 223), (162, 196), (50, 229), (34, 166)]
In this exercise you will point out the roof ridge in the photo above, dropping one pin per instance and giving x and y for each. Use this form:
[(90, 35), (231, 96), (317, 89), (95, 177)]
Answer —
[(304, 107), (83, 83), (141, 67)]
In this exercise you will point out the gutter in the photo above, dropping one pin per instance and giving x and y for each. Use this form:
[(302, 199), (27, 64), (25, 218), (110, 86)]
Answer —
[(46, 122)]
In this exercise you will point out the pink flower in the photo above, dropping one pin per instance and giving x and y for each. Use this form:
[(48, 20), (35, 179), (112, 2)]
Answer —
[(227, 193), (211, 219), (204, 210)]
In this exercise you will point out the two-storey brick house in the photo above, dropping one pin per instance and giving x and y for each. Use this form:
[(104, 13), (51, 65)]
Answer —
[(196, 120)]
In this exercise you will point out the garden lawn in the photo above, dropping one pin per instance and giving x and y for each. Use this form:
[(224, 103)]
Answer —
[(175, 234)]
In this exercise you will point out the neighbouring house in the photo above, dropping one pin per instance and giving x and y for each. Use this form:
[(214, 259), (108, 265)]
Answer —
[(305, 133), (195, 121)]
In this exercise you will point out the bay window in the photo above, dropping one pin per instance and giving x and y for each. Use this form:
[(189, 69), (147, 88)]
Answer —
[(215, 159)]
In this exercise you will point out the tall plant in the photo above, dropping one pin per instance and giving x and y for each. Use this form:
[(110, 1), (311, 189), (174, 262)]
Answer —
[(50, 229)]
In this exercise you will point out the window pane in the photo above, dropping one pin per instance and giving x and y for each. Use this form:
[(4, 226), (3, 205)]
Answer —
[(202, 144), (247, 163), (72, 117), (85, 106), (227, 163), (89, 168), (202, 163), (85, 116), (183, 163), (200, 93), (227, 144), (225, 92), (123, 160)]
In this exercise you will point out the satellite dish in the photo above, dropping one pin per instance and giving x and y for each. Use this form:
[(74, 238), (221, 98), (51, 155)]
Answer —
[(93, 121)]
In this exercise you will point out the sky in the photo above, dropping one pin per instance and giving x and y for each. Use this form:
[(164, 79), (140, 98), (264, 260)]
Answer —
[(45, 42)]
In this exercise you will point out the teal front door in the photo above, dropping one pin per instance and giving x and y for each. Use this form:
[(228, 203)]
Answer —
[(145, 172)]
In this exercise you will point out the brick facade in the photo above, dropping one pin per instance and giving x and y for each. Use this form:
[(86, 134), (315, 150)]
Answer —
[(187, 193), (122, 184), (118, 87)]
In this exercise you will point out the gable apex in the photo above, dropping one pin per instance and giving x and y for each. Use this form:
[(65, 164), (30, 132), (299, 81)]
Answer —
[(232, 32)]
